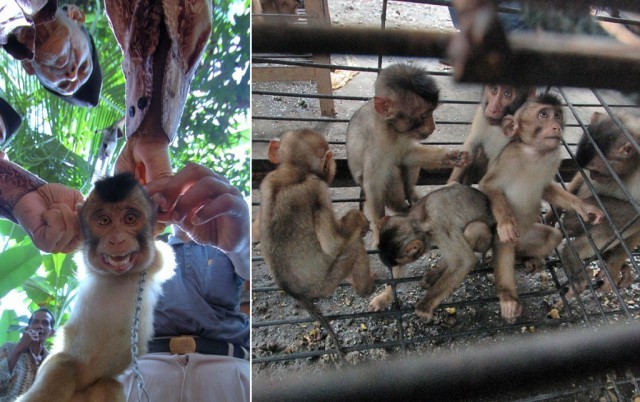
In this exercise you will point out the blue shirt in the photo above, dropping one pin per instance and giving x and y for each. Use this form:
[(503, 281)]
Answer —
[(203, 297)]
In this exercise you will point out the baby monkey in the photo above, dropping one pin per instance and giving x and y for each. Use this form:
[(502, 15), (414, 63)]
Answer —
[(432, 223), (383, 140), (308, 250), (516, 182), (94, 346)]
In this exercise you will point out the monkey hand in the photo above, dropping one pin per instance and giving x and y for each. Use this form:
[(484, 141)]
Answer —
[(590, 213), (456, 158), (146, 157), (205, 205), (508, 231), (48, 215), (355, 219)]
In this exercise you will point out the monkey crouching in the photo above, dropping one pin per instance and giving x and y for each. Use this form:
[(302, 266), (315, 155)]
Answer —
[(433, 222), (119, 256)]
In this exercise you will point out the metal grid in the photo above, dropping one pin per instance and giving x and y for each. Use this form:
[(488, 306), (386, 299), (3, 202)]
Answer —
[(469, 319)]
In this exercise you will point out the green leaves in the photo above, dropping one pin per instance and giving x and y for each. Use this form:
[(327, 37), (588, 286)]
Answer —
[(17, 264)]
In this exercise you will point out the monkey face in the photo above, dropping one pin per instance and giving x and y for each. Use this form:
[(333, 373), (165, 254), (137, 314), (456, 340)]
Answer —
[(418, 122), (401, 241), (497, 99), (541, 126), (117, 222)]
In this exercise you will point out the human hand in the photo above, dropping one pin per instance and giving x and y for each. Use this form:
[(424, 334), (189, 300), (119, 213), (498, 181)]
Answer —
[(29, 337), (48, 215), (205, 205), (146, 157)]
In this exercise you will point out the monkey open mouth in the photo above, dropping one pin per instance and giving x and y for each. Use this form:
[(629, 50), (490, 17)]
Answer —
[(118, 262)]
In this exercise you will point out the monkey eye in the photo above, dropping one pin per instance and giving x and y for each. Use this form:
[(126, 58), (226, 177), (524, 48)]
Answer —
[(494, 89), (543, 114), (130, 218), (508, 94), (425, 115), (103, 220)]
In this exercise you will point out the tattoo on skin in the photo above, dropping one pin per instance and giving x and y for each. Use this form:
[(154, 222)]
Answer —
[(15, 182)]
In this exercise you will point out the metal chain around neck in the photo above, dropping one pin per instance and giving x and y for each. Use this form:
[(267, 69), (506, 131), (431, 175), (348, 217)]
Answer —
[(134, 338)]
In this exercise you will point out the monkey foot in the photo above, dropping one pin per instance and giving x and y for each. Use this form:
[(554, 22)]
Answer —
[(623, 280), (381, 301), (426, 315)]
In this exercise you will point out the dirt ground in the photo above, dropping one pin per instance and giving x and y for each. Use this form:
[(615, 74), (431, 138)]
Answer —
[(282, 330)]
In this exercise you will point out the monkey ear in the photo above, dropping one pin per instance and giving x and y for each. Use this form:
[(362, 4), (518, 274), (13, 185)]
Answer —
[(274, 146), (28, 67), (412, 248), (326, 161), (382, 105), (627, 150), (382, 221), (509, 126)]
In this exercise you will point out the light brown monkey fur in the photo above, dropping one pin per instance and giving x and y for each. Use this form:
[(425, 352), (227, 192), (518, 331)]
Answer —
[(286, 7), (383, 140), (516, 182), (308, 250), (485, 139), (432, 222), (94, 346), (624, 160)]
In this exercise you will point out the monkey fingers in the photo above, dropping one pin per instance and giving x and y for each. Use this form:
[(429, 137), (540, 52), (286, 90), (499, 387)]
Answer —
[(510, 308), (457, 158), (590, 213), (382, 300)]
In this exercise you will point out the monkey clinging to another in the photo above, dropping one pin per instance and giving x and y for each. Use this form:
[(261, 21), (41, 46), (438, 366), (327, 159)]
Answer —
[(383, 140), (94, 346)]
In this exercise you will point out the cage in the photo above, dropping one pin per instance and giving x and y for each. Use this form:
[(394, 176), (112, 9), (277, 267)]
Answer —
[(286, 341)]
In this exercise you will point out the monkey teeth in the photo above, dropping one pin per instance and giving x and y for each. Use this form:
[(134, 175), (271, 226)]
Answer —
[(117, 260)]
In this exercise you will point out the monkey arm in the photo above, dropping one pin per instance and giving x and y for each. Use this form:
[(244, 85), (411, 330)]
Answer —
[(502, 212), (556, 195), (432, 157), (330, 233)]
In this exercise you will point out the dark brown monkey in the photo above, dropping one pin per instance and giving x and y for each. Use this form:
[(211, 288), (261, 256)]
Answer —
[(383, 140), (432, 223), (516, 182), (624, 160), (308, 250), (94, 347), (486, 139)]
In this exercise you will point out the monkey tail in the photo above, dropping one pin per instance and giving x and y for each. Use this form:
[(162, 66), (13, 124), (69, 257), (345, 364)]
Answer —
[(314, 311)]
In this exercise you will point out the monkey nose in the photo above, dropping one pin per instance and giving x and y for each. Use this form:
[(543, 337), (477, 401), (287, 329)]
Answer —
[(116, 241)]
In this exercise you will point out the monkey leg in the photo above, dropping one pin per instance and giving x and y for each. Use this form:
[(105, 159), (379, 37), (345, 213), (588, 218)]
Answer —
[(56, 380), (619, 270), (478, 235), (412, 174), (383, 299), (431, 275), (504, 273), (460, 260), (104, 390), (353, 264), (374, 210), (361, 277)]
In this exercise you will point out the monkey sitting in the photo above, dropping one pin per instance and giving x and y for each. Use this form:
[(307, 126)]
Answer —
[(308, 250), (94, 346), (431, 223), (624, 161)]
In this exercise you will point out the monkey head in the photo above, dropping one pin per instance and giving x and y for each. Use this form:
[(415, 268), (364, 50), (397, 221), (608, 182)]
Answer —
[(280, 6), (402, 241), (501, 100), (405, 98), (306, 149), (620, 154), (539, 123), (117, 221)]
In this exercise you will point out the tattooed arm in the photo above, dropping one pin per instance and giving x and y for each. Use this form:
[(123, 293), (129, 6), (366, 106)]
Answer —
[(45, 211)]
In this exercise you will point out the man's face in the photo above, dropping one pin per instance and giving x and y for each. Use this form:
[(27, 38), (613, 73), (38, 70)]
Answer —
[(41, 323), (62, 58)]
